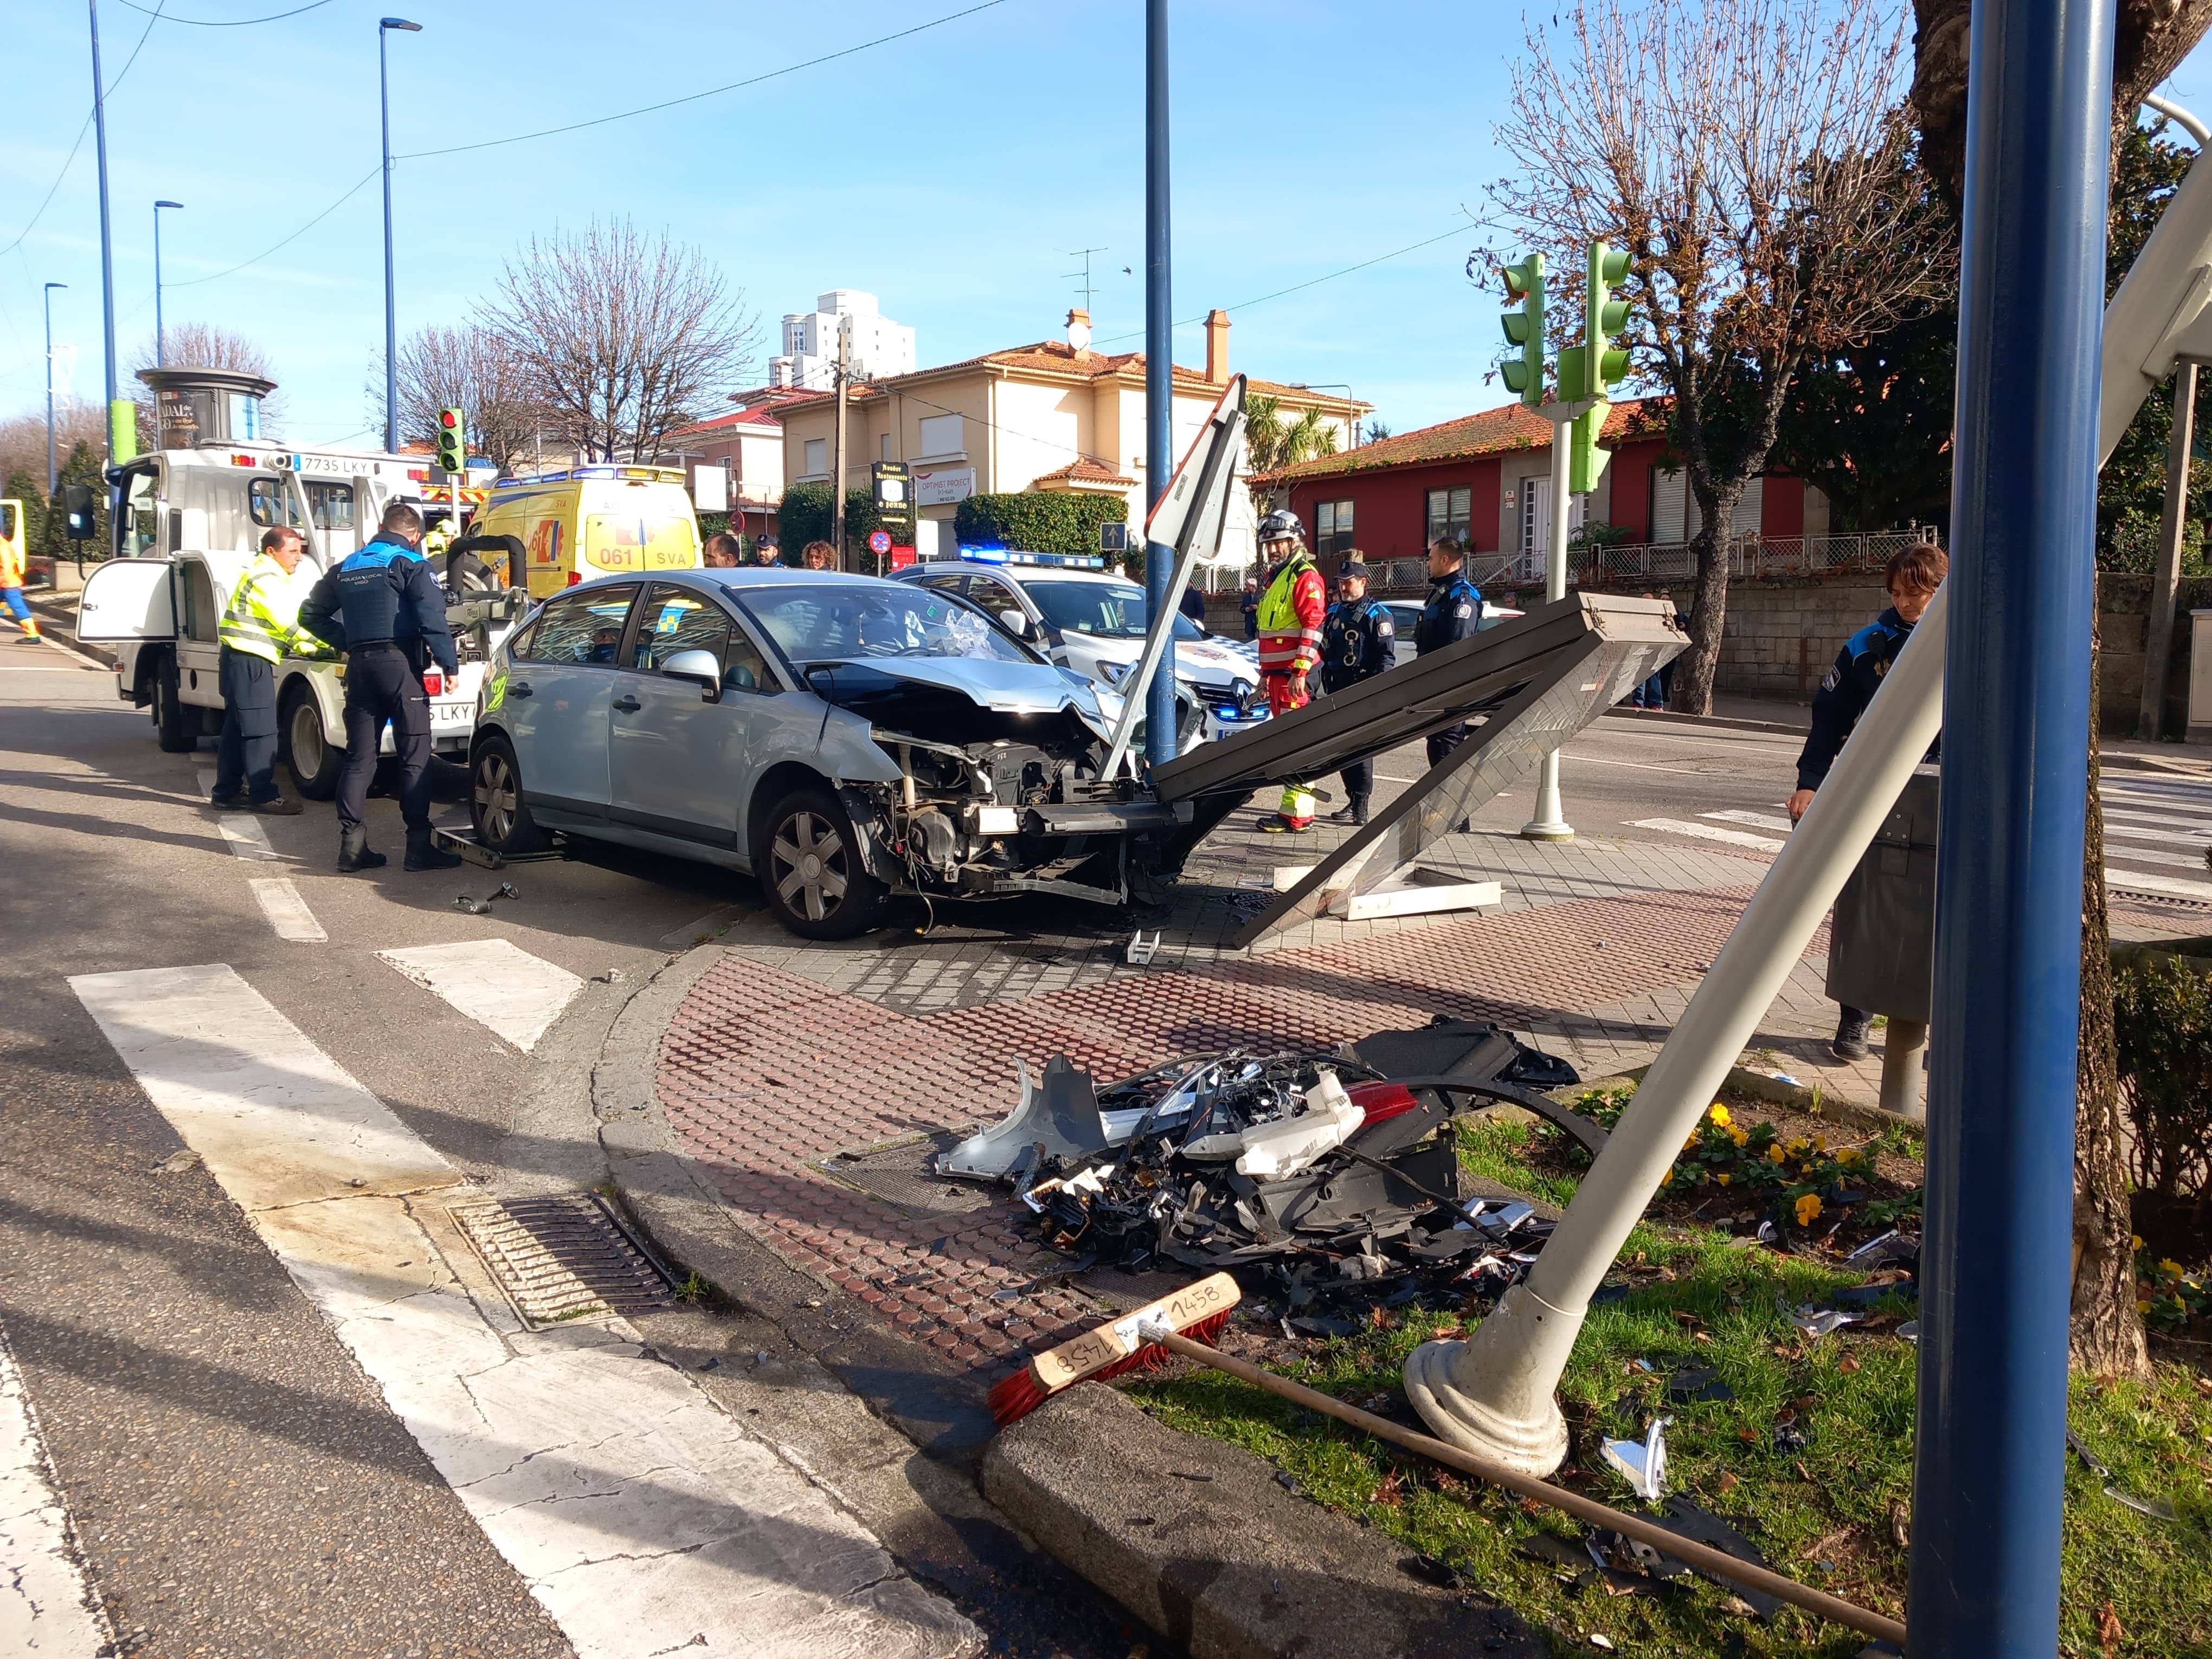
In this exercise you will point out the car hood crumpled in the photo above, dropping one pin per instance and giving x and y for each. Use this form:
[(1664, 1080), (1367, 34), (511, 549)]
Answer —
[(1010, 688)]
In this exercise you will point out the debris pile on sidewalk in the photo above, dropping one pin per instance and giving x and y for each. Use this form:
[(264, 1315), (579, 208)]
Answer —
[(1320, 1180)]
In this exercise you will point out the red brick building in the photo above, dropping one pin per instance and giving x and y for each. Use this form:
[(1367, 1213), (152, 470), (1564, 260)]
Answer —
[(1484, 479)]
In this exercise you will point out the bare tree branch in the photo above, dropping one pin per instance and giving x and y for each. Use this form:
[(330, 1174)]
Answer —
[(475, 370), (1754, 158), (623, 337)]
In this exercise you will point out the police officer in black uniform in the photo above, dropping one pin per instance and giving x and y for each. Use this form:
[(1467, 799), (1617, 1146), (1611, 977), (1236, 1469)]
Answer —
[(1453, 613), (1357, 640), (385, 610)]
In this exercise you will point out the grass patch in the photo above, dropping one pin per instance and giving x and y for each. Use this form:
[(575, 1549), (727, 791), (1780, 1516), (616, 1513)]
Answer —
[(1828, 1513)]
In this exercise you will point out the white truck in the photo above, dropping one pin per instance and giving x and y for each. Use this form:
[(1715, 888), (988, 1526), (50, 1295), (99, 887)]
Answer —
[(189, 521)]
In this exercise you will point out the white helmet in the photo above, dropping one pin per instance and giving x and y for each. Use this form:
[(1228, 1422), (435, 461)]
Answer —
[(1281, 526)]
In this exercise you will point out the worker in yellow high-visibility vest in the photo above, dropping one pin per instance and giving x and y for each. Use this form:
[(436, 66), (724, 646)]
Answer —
[(1291, 609), (14, 561), (260, 627)]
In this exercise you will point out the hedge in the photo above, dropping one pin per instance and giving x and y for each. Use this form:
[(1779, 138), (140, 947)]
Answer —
[(1037, 520), (804, 514)]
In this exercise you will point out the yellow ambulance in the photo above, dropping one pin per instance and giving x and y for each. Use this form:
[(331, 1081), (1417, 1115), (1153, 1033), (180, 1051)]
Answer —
[(555, 529)]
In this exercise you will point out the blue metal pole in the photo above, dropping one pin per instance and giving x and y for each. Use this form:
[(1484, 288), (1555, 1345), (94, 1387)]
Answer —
[(1989, 1465), (391, 312), (1159, 371), (107, 242)]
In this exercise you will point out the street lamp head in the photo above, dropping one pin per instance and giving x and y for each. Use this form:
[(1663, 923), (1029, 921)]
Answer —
[(174, 204), (399, 23), (56, 285)]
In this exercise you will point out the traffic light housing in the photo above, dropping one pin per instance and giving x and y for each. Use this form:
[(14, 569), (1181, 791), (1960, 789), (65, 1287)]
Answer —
[(1604, 318), (1524, 375), (79, 511), (453, 442), (1585, 460)]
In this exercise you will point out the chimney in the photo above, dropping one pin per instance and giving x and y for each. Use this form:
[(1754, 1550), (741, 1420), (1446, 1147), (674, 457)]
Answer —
[(1217, 347), (1078, 332)]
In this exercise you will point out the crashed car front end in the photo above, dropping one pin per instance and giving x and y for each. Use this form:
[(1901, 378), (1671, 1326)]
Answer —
[(985, 780)]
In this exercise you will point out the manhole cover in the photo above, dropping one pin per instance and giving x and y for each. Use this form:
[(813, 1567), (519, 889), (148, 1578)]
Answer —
[(899, 1174), (559, 1259)]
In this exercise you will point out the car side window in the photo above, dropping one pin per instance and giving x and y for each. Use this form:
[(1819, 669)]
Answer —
[(672, 621), (579, 628), (991, 595), (744, 668), (948, 582)]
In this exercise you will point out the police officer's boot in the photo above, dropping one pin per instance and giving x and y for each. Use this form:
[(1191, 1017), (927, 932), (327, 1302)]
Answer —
[(353, 849), (424, 855), (1353, 812)]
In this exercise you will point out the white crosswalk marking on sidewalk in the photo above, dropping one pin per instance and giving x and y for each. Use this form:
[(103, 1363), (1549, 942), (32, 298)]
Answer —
[(494, 982), (2141, 883), (1712, 832), (1756, 820), (642, 1517), (247, 839), (45, 1605)]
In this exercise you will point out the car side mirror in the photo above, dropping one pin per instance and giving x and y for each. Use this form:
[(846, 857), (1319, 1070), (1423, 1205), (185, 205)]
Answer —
[(1017, 623), (701, 668)]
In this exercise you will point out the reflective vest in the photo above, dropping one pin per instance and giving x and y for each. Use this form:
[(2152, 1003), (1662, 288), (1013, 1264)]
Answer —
[(263, 619), (1291, 613)]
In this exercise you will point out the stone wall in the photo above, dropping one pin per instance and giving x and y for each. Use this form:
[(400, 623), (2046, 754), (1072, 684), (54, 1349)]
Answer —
[(1782, 635)]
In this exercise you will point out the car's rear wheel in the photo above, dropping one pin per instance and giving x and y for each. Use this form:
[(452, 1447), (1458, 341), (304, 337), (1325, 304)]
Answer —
[(812, 871), (497, 806), (314, 763)]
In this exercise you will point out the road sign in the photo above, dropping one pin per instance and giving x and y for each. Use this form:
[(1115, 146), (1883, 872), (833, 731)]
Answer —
[(879, 541), (1114, 535)]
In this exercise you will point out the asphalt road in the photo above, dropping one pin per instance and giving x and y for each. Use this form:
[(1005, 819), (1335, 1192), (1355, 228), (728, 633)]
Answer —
[(238, 1484)]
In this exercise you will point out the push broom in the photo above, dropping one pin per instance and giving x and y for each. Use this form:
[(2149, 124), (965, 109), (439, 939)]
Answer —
[(1183, 1325)]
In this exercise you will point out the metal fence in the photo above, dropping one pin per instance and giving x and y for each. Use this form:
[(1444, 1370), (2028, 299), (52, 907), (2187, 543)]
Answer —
[(1629, 564)]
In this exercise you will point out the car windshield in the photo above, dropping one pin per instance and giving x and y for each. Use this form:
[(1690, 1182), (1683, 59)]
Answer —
[(842, 621), (1114, 610)]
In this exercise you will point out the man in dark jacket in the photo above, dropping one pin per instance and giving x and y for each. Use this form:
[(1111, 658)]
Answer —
[(1357, 641), (1912, 577), (385, 610)]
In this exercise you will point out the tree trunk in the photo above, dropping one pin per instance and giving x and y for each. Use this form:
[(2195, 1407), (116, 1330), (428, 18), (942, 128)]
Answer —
[(1693, 681), (2106, 1334)]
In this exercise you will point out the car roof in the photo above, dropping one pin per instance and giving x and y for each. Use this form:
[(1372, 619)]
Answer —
[(1018, 573), (741, 577)]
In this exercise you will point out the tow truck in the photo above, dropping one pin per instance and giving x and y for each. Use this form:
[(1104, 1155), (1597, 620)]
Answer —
[(189, 520)]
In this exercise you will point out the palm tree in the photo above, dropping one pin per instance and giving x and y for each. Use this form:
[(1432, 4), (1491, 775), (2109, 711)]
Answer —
[(1272, 443)]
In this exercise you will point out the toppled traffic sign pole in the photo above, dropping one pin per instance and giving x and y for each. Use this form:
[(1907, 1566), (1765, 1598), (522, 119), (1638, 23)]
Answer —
[(1526, 686)]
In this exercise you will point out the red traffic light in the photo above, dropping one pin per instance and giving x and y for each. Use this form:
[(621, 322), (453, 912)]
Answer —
[(449, 418)]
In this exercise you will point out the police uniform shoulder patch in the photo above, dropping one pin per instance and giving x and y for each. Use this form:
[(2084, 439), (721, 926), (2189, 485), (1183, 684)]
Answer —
[(1385, 627), (1465, 609)]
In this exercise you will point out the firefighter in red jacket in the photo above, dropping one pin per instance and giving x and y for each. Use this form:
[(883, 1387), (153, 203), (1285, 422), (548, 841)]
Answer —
[(1290, 614)]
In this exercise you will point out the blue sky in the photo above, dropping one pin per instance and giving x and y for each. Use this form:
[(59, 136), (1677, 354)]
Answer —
[(950, 173)]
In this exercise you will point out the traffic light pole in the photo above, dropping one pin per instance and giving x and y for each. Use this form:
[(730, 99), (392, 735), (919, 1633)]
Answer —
[(1159, 375), (1550, 822)]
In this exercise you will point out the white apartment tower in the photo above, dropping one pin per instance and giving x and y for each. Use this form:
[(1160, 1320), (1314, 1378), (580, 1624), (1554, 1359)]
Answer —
[(879, 346)]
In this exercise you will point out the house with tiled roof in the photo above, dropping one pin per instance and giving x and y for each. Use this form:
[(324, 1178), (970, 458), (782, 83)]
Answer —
[(1484, 480), (749, 442), (1049, 414)]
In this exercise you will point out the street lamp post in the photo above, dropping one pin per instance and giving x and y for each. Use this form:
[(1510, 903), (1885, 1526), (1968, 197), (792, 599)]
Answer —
[(117, 449), (383, 26), (161, 354), (1159, 375), (50, 287)]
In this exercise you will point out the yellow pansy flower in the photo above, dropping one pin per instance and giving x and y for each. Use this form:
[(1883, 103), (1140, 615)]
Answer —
[(1808, 1207)]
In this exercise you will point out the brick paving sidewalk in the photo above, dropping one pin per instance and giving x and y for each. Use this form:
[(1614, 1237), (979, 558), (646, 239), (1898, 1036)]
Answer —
[(785, 1055)]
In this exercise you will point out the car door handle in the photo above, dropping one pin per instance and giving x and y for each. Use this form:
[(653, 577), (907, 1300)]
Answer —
[(628, 704), (520, 688)]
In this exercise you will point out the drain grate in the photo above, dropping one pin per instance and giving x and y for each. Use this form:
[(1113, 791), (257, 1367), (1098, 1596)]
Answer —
[(559, 1259)]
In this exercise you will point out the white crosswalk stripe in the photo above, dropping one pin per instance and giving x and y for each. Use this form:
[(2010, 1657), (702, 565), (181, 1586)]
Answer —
[(642, 1517), (494, 982), (45, 1605), (287, 912), (1712, 832), (2155, 831)]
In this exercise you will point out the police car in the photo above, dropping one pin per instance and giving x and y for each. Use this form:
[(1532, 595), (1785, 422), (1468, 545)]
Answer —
[(1093, 623)]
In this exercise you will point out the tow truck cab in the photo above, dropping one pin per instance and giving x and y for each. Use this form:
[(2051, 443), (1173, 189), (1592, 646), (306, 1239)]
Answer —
[(190, 518)]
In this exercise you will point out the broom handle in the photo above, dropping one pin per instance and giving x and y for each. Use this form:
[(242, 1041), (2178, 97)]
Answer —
[(1718, 1563)]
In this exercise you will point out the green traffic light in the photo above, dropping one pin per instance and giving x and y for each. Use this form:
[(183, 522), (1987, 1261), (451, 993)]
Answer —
[(1603, 317), (1524, 327)]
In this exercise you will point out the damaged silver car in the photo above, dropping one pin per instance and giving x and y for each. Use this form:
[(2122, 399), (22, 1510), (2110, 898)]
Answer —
[(841, 737)]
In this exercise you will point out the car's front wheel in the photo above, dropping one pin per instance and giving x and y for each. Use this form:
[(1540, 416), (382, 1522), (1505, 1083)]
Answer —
[(497, 806), (811, 869)]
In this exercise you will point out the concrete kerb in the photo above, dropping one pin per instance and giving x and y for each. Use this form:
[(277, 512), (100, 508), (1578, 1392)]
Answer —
[(1242, 1568), (1780, 1091)]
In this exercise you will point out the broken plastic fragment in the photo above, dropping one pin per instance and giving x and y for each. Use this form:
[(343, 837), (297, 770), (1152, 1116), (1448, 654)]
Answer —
[(1063, 1116), (1644, 1461), (1815, 1322), (1288, 1144)]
